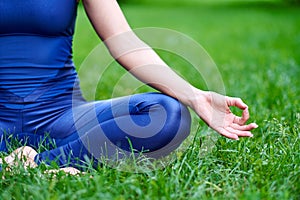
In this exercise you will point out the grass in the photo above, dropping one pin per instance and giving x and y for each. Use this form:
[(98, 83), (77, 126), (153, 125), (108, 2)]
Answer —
[(256, 49)]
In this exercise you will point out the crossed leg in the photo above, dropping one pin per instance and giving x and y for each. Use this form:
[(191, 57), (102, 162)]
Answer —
[(152, 123)]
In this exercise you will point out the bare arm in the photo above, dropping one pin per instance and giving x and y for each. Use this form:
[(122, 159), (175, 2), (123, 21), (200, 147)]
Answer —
[(131, 52), (139, 59)]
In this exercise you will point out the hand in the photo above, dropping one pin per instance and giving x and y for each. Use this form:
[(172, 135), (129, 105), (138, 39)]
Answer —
[(214, 109)]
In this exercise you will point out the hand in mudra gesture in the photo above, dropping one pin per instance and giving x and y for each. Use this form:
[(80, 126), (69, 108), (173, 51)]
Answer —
[(214, 110)]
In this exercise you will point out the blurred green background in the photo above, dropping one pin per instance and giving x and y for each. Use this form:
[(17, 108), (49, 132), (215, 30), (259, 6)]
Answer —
[(181, 2)]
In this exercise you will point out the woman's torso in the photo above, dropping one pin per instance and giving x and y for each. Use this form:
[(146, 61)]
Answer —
[(36, 50)]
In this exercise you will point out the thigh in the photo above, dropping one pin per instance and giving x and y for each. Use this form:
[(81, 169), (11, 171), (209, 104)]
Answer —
[(150, 122), (138, 109)]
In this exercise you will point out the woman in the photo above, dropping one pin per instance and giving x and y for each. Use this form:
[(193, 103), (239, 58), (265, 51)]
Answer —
[(41, 102)]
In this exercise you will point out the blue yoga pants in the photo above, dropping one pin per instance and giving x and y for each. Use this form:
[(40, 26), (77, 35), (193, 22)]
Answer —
[(74, 131)]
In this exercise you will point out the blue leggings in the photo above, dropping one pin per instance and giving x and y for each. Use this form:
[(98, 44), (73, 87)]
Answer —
[(74, 130)]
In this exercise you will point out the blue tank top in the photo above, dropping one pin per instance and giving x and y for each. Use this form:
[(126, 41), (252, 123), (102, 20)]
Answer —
[(36, 49)]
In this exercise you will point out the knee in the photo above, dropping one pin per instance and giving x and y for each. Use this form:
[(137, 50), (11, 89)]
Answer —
[(163, 120), (176, 127), (178, 122), (182, 118), (177, 112), (164, 108)]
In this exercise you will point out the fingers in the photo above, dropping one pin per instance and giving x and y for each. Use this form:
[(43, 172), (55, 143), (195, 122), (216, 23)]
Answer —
[(247, 127), (239, 133), (237, 102), (242, 120), (234, 131), (234, 134), (227, 134), (245, 116), (234, 126)]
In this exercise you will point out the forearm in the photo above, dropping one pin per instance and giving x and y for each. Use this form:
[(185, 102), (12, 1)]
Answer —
[(142, 61), (132, 53)]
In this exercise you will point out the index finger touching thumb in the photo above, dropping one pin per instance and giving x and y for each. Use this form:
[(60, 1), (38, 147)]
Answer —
[(237, 102)]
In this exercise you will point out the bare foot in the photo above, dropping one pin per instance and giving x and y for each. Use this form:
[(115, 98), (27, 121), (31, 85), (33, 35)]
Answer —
[(23, 155), (67, 170)]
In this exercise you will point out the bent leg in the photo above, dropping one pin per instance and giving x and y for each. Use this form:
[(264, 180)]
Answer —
[(152, 123)]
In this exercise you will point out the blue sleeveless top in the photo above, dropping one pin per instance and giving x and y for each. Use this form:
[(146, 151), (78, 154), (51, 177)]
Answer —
[(36, 50)]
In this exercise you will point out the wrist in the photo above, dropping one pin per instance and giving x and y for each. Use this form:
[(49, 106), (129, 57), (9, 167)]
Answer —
[(194, 99)]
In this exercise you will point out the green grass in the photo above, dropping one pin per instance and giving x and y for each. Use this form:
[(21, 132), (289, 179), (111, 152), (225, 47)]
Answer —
[(256, 49)]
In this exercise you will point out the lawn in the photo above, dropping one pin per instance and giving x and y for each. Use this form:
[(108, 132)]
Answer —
[(256, 48)]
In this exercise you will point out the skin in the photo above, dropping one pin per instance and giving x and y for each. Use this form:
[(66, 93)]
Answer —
[(141, 61)]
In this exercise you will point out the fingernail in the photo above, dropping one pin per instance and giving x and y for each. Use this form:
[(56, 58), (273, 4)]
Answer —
[(255, 125)]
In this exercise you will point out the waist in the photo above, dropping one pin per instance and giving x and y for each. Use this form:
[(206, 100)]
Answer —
[(25, 92), (17, 50), (35, 67)]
